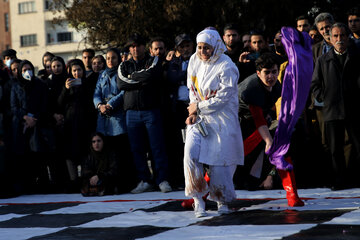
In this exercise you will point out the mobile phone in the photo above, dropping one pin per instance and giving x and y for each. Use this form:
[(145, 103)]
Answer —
[(76, 82)]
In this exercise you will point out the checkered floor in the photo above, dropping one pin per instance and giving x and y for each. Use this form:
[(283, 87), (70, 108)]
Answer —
[(154, 215)]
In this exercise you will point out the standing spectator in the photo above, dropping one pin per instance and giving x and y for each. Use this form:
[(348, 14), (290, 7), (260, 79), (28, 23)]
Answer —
[(323, 22), (140, 78), (232, 41), (258, 45), (354, 24), (8, 55), (108, 99), (303, 23), (246, 42), (29, 110), (212, 80), (336, 83), (73, 99), (157, 47), (279, 48), (315, 35), (124, 53), (87, 56), (55, 83), (179, 98), (43, 74), (98, 64)]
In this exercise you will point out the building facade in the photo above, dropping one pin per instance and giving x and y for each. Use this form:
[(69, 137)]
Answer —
[(5, 28), (33, 32)]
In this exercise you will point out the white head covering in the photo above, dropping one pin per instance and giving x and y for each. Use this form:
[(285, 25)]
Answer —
[(212, 38)]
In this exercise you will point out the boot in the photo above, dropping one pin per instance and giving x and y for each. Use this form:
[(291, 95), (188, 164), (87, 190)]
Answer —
[(188, 203), (289, 184)]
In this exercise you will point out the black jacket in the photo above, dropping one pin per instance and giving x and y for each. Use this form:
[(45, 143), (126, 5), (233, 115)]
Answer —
[(338, 88), (142, 82)]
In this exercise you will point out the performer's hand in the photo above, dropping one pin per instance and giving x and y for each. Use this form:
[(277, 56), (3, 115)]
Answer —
[(243, 57), (190, 120), (268, 145), (267, 183), (192, 109)]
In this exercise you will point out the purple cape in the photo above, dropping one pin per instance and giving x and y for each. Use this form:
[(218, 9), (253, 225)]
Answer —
[(296, 86)]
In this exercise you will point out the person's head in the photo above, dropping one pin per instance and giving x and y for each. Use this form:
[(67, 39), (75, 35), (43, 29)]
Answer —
[(157, 47), (184, 45), (314, 34), (136, 45), (8, 55), (231, 36), (25, 71), (47, 57), (87, 55), (354, 21), (57, 65), (14, 67), (48, 67), (209, 45), (98, 63), (76, 68), (257, 41), (323, 22), (339, 37), (246, 41), (124, 54), (303, 24), (97, 142), (267, 69), (112, 58), (279, 47)]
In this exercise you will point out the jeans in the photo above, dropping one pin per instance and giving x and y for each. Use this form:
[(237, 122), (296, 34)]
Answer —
[(150, 120)]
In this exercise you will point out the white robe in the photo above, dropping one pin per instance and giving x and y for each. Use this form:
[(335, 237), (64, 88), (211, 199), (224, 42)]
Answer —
[(214, 87), (217, 98)]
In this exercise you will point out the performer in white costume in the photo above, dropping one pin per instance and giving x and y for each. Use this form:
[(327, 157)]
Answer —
[(213, 135)]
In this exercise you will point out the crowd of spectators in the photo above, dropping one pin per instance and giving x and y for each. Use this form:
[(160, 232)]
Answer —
[(115, 122)]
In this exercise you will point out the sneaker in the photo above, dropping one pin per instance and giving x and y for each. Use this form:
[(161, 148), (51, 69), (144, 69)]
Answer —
[(142, 187), (165, 187), (222, 208), (199, 209)]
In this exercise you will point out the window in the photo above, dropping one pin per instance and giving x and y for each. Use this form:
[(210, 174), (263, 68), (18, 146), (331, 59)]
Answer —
[(28, 40), (64, 37), (6, 15), (26, 7), (47, 5)]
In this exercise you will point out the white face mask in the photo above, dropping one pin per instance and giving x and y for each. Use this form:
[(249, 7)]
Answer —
[(27, 75), (8, 62)]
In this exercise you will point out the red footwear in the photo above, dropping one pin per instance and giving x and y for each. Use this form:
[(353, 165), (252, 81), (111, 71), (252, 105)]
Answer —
[(188, 203), (289, 184)]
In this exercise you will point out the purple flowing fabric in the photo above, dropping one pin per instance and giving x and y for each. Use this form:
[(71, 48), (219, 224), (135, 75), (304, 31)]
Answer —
[(295, 89)]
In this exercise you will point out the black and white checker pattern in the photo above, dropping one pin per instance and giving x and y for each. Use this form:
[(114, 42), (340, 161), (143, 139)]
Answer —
[(154, 215)]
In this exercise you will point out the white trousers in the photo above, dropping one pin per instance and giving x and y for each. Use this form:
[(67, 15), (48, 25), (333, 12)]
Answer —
[(221, 186)]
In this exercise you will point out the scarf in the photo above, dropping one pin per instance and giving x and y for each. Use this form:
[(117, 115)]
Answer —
[(296, 86)]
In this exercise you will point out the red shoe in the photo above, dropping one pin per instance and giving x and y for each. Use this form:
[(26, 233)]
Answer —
[(188, 203), (289, 185)]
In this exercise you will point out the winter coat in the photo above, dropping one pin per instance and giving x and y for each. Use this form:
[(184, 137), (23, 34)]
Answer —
[(107, 92)]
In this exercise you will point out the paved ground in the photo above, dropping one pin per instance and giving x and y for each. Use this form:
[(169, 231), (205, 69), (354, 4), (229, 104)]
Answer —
[(256, 215)]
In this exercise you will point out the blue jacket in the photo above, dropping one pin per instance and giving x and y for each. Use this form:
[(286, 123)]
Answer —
[(106, 91)]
